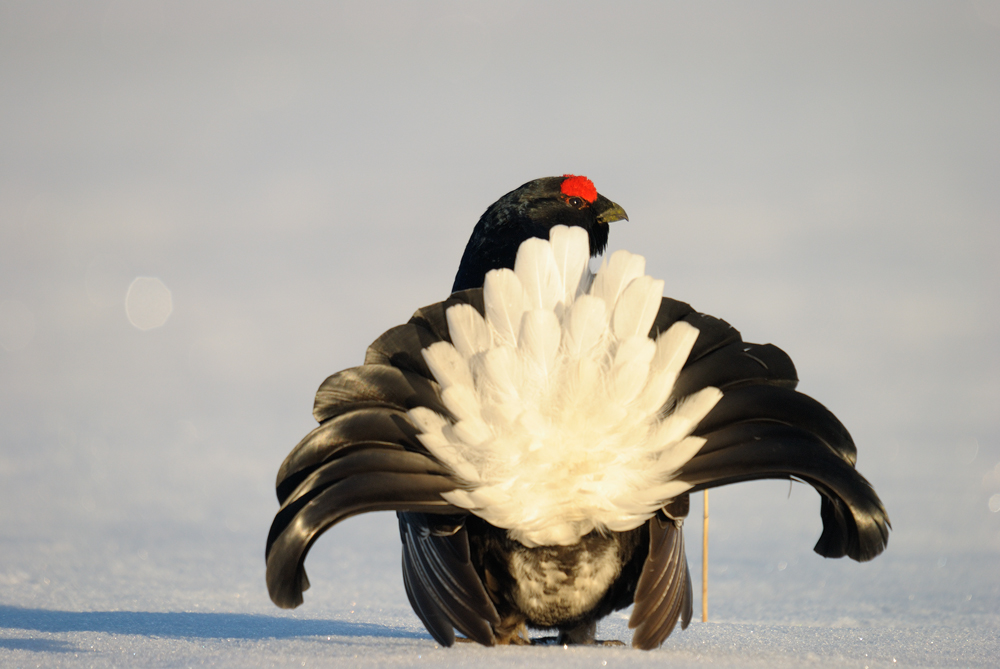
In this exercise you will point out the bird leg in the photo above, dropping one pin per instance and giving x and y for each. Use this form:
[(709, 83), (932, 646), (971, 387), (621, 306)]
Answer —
[(583, 635), (512, 632)]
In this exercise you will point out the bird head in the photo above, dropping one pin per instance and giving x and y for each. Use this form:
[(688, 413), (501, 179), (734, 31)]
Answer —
[(531, 211)]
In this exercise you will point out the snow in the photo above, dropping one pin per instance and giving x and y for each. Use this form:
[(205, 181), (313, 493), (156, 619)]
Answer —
[(175, 596), (299, 178)]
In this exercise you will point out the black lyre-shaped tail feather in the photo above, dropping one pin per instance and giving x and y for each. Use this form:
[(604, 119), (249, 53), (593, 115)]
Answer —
[(365, 456), (361, 476), (763, 428)]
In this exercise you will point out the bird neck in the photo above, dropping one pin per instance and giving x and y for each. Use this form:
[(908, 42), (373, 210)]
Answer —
[(493, 245)]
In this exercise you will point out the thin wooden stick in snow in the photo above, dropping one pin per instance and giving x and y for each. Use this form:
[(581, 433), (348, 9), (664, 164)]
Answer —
[(704, 563)]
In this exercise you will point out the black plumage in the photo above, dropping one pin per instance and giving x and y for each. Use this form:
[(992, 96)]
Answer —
[(462, 573), (531, 211)]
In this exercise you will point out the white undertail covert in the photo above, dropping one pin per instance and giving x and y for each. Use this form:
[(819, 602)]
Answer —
[(564, 415)]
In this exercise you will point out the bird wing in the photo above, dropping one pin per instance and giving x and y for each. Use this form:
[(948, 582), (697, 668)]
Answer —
[(365, 456), (663, 593), (441, 582)]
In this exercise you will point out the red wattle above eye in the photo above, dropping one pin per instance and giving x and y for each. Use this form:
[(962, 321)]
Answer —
[(575, 186)]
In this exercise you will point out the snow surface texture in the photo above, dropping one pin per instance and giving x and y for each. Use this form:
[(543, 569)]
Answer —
[(299, 178)]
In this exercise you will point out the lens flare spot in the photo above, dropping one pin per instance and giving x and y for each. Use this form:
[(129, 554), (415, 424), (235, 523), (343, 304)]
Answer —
[(995, 503), (148, 303)]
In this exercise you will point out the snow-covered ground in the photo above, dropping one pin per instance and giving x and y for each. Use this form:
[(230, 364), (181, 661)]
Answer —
[(173, 597), (302, 176)]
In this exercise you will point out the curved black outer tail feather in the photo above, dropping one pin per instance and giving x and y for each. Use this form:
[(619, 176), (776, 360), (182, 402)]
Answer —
[(762, 428)]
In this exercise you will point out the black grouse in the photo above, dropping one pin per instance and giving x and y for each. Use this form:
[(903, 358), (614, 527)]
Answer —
[(539, 432)]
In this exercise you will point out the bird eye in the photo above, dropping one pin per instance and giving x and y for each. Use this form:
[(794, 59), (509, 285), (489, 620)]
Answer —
[(575, 202)]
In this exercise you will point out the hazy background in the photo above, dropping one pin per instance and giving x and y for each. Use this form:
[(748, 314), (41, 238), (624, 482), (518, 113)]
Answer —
[(302, 176)]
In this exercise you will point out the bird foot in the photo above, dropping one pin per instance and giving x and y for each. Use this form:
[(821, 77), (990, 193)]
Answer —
[(558, 641), (582, 635), (513, 634)]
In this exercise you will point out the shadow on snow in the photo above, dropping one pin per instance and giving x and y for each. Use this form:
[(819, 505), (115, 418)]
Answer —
[(38, 645), (179, 624)]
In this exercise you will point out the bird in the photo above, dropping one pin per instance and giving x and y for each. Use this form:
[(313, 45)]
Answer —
[(539, 433)]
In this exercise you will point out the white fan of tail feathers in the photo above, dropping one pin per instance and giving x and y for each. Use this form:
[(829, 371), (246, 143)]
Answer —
[(557, 396)]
